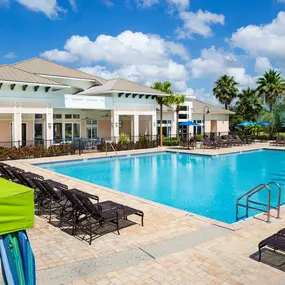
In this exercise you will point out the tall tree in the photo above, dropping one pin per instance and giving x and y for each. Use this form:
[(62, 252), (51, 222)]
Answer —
[(225, 90), (177, 100), (249, 105), (271, 87), (163, 100)]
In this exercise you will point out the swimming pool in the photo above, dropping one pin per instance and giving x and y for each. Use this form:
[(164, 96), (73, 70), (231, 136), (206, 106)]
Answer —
[(203, 185)]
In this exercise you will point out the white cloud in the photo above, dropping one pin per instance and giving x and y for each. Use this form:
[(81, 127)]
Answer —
[(49, 7), (180, 5), (146, 3), (125, 49), (262, 64), (198, 23), (60, 56), (264, 40), (214, 62), (73, 5), (136, 56), (146, 74), (108, 3), (9, 55)]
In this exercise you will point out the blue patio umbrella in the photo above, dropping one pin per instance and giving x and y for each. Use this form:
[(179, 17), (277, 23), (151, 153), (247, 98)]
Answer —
[(189, 124), (266, 124), (245, 124)]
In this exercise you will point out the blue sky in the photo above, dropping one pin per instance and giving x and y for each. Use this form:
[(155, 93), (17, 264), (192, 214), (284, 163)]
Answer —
[(187, 42)]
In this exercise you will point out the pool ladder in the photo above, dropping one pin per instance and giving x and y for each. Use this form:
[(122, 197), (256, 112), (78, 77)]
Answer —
[(111, 144), (249, 202)]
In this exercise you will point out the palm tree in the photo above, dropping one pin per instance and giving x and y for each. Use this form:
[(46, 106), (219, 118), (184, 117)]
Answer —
[(225, 90), (271, 87), (178, 100), (249, 105), (162, 100)]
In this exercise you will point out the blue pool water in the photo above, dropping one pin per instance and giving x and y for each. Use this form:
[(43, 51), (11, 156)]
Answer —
[(208, 186)]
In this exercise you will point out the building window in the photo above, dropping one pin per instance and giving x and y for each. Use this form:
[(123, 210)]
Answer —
[(76, 130), (91, 129), (39, 116), (68, 116), (76, 116), (68, 131), (184, 108), (57, 116), (183, 116), (166, 127), (198, 130)]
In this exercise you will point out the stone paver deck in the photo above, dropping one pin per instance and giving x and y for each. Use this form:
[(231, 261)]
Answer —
[(170, 245)]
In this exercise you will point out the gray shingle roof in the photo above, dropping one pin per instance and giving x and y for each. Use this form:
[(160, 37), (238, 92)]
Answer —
[(12, 74), (45, 67), (121, 85)]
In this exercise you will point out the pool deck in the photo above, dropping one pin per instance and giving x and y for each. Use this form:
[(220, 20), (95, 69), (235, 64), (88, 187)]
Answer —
[(174, 247)]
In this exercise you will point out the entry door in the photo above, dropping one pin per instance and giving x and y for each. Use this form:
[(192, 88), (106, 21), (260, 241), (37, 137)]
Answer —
[(57, 132), (24, 134), (38, 133)]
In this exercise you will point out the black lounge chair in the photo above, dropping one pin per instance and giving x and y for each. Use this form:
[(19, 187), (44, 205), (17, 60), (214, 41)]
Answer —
[(97, 217), (280, 141), (275, 242), (206, 143)]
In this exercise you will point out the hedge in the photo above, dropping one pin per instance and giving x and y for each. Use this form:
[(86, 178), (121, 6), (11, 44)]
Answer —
[(34, 151)]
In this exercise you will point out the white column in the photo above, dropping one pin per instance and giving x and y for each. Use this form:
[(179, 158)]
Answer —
[(49, 127), (174, 124), (114, 126), (17, 126), (154, 125), (136, 128)]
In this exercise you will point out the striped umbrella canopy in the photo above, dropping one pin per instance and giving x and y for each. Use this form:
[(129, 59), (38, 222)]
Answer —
[(17, 259)]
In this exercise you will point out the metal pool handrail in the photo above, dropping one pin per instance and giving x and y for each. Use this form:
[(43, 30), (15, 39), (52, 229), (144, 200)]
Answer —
[(255, 190)]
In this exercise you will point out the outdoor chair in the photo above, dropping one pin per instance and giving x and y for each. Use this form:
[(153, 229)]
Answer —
[(280, 141), (238, 139), (275, 242), (97, 218), (206, 143)]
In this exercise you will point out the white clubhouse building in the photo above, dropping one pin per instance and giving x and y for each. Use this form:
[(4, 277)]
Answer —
[(42, 100)]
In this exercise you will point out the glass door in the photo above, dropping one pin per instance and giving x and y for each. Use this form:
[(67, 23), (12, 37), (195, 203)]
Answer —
[(24, 134), (57, 132), (38, 133)]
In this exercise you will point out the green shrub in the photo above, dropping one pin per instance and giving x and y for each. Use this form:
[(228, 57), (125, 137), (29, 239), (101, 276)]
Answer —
[(34, 151), (198, 138), (171, 141), (124, 138)]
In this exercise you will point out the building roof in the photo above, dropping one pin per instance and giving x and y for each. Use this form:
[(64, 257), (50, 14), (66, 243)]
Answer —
[(121, 85), (12, 74), (198, 108), (44, 67)]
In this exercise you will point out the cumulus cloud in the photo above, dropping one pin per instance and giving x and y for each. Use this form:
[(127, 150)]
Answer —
[(264, 40), (49, 7), (214, 62), (59, 55), (126, 48), (146, 73), (73, 5), (198, 23), (136, 56), (262, 64)]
